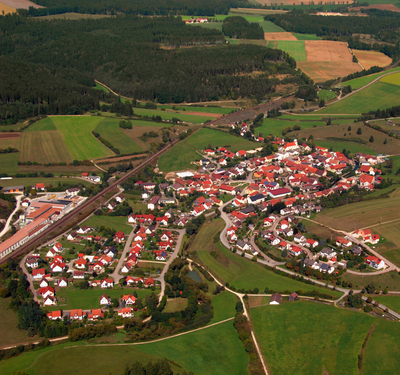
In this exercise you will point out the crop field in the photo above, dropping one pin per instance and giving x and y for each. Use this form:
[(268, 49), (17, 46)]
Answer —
[(306, 36), (390, 301), (109, 130), (256, 12), (295, 48), (20, 4), (369, 59), (180, 156), (279, 36), (53, 181), (321, 71), (72, 16), (206, 110), (379, 95), (292, 336), (394, 79), (362, 214), (9, 140), (113, 222), (191, 352), (44, 147), (390, 250), (78, 137), (90, 298), (326, 50), (238, 271), (362, 81)]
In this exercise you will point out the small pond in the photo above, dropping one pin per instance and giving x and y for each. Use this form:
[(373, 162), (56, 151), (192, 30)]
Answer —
[(194, 276)]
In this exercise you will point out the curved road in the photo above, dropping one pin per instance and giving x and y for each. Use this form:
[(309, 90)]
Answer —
[(8, 222)]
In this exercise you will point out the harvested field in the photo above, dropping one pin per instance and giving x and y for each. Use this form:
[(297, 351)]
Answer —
[(21, 4), (279, 36), (323, 71), (390, 7), (5, 9), (9, 135), (372, 58), (327, 50)]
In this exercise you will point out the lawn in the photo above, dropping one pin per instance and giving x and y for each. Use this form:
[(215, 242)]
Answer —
[(10, 334), (191, 352), (8, 164), (175, 304), (115, 222), (270, 27), (362, 214), (45, 146), (109, 129), (224, 306), (180, 156), (306, 36), (362, 81), (238, 271), (311, 338), (392, 302), (90, 298), (326, 95), (78, 137), (294, 48), (379, 95)]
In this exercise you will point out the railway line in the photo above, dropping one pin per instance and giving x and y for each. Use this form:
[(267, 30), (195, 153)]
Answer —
[(60, 223)]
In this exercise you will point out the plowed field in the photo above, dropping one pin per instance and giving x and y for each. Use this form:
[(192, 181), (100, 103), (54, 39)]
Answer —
[(372, 58), (327, 50), (321, 71)]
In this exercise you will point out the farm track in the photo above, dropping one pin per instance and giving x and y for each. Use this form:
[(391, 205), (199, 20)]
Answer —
[(66, 219)]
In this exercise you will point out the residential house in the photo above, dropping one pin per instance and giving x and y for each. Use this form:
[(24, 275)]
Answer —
[(276, 299), (375, 262), (107, 283), (76, 314)]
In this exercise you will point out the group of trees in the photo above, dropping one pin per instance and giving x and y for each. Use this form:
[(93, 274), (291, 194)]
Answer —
[(238, 27), (48, 67)]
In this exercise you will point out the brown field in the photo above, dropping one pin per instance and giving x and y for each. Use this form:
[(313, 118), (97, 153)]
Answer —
[(6, 9), (372, 58), (20, 4), (138, 131), (298, 2), (9, 135), (327, 50), (323, 71), (279, 36), (391, 7)]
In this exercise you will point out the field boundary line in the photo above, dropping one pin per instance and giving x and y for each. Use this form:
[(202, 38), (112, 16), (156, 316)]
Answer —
[(153, 341)]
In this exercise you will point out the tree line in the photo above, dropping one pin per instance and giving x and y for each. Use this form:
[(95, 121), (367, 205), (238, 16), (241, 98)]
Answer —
[(238, 27)]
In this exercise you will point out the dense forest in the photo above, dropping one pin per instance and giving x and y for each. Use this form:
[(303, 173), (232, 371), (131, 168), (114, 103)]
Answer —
[(383, 25), (148, 7), (238, 27), (50, 66)]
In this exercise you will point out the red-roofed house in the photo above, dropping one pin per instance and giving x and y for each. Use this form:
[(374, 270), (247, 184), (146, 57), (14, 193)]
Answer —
[(375, 262)]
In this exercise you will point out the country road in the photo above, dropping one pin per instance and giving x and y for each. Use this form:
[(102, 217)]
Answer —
[(8, 222)]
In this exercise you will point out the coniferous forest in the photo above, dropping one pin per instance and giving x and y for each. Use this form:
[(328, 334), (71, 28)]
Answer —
[(50, 66)]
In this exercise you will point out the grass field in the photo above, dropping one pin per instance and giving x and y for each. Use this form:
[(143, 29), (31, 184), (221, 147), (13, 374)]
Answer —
[(90, 298), (238, 271), (101, 88), (394, 79), (190, 108), (78, 137), (180, 156), (8, 163), (44, 147), (294, 48), (191, 352), (379, 95), (306, 36), (109, 130), (362, 81), (326, 95), (389, 280), (392, 302), (170, 115), (224, 306), (175, 304), (42, 125), (10, 334), (270, 27), (72, 16), (339, 146), (312, 338), (115, 222)]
